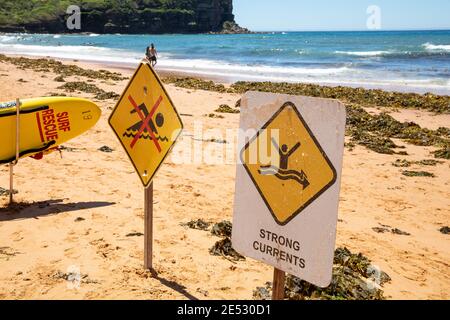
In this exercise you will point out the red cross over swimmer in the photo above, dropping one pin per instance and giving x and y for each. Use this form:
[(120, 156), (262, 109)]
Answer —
[(146, 123)]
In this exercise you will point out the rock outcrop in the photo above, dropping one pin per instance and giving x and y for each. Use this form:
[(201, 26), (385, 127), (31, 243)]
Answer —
[(119, 16)]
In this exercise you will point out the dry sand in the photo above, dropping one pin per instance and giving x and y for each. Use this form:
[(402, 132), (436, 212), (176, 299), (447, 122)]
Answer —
[(44, 238)]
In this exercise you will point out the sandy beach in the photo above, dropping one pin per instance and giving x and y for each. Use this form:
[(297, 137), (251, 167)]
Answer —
[(84, 210)]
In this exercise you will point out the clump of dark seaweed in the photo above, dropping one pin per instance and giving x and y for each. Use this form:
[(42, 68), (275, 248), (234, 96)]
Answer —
[(224, 108), (396, 231), (65, 70), (406, 164), (7, 252), (400, 232), (59, 79), (105, 149), (348, 95), (222, 229), (376, 131), (196, 84), (6, 192), (443, 153), (55, 94), (402, 163), (225, 249), (104, 95), (198, 224), (354, 278), (215, 116), (100, 94), (428, 162), (73, 276), (408, 173)]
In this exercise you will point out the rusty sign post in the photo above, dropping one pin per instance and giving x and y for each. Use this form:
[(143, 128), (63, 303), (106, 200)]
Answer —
[(279, 277)]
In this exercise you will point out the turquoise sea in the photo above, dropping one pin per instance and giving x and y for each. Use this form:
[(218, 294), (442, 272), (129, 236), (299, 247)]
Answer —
[(396, 60)]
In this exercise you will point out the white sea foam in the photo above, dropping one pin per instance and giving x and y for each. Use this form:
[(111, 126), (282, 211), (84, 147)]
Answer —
[(89, 53), (434, 47), (345, 75), (7, 38), (363, 53), (215, 66)]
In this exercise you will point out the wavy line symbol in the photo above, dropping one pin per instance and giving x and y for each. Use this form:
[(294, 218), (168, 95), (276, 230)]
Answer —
[(145, 137), (281, 174)]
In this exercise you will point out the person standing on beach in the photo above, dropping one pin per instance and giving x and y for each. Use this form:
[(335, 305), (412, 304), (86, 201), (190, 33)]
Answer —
[(152, 55)]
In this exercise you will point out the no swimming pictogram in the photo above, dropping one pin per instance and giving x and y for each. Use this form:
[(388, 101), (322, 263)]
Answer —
[(146, 122), (146, 125)]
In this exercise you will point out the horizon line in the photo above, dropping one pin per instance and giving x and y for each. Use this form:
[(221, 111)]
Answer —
[(351, 30)]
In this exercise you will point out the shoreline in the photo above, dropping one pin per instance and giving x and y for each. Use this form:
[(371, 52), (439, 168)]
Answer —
[(230, 79)]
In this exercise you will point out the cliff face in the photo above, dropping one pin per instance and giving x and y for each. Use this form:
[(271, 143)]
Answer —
[(117, 16)]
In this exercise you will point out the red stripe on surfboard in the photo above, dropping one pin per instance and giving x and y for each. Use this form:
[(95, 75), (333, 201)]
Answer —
[(39, 126)]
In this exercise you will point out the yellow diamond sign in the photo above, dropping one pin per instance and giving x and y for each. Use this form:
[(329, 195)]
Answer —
[(146, 122), (301, 171)]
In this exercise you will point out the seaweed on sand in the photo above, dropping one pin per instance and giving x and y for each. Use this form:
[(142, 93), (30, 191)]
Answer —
[(7, 252), (418, 174), (73, 276), (222, 229), (348, 95), (224, 108), (215, 116), (59, 78), (372, 131), (406, 164), (100, 94), (354, 278), (106, 149), (443, 153), (6, 192), (196, 84), (225, 249), (65, 70), (198, 224), (376, 131)]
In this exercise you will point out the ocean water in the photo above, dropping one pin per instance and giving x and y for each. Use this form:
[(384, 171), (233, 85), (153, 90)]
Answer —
[(408, 60)]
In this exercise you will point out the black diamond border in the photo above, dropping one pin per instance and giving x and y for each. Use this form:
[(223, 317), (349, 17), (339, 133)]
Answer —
[(318, 194)]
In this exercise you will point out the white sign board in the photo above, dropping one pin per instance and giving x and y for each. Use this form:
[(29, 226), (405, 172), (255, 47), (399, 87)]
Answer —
[(287, 182)]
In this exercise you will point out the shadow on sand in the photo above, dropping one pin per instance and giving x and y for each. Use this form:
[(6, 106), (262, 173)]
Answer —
[(173, 285), (34, 210)]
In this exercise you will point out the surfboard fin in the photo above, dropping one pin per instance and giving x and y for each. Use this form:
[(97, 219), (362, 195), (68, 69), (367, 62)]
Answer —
[(40, 155)]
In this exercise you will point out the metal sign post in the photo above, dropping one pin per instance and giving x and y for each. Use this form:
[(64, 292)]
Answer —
[(12, 164), (148, 227)]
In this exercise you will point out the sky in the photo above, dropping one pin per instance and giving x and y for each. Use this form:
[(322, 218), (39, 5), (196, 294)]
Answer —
[(317, 15)]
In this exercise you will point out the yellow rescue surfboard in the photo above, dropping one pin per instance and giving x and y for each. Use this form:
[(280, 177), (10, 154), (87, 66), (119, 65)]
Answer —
[(45, 123)]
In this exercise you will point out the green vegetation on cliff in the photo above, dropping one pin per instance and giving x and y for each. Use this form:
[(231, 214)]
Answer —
[(112, 16)]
